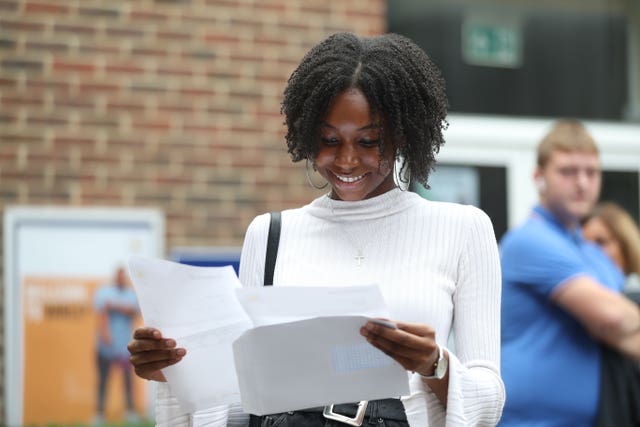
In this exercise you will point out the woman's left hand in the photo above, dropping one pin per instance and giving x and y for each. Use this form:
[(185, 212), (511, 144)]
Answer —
[(413, 345)]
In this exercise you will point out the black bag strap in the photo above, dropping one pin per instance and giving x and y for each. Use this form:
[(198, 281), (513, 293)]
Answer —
[(273, 241)]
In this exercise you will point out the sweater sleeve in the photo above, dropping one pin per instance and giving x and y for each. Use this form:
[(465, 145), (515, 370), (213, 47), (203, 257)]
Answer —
[(476, 391), (253, 251), (169, 413)]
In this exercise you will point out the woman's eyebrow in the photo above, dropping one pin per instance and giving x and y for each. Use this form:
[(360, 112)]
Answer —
[(367, 127)]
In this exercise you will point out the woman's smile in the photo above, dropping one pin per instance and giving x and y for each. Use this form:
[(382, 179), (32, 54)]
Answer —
[(348, 179)]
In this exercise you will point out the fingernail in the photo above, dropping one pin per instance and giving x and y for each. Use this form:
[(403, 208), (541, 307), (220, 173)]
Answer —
[(181, 352), (170, 343), (157, 334)]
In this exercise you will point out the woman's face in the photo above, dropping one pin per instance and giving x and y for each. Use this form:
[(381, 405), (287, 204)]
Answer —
[(348, 157), (597, 231)]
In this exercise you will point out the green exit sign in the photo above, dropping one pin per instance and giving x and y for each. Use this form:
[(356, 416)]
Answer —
[(492, 44)]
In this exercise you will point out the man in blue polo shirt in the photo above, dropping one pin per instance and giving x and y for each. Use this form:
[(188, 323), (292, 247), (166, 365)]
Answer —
[(560, 296)]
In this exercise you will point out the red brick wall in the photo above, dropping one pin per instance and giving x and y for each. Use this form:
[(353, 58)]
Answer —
[(167, 103)]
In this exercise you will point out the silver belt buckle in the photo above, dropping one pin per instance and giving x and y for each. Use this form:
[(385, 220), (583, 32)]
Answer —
[(355, 421)]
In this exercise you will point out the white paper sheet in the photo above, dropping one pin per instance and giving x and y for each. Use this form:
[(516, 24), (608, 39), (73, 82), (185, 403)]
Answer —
[(309, 353), (273, 304), (313, 362), (196, 306)]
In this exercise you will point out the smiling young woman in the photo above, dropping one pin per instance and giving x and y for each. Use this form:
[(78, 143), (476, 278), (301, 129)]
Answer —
[(355, 108), (349, 155)]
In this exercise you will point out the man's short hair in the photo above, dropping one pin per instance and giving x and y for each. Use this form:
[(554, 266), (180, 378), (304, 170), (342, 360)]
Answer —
[(566, 135)]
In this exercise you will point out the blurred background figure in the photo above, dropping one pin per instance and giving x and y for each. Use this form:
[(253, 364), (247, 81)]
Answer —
[(561, 301), (613, 229), (117, 306)]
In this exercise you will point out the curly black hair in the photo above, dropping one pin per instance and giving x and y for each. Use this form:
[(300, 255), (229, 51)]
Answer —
[(401, 83)]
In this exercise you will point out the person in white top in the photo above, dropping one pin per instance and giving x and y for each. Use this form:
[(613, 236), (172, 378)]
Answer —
[(355, 108)]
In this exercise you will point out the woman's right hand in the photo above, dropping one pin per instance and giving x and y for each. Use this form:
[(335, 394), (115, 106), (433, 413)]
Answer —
[(150, 353)]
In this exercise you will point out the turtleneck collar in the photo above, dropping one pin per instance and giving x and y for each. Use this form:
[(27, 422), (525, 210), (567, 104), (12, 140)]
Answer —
[(385, 204)]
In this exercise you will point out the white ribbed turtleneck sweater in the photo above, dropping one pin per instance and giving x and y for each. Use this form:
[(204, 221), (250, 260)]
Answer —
[(435, 263)]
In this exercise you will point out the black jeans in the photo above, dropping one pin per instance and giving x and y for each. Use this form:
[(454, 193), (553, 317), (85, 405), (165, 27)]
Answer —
[(619, 404), (381, 413)]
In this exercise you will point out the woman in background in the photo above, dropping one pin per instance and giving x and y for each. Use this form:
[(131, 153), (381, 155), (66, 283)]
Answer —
[(613, 229)]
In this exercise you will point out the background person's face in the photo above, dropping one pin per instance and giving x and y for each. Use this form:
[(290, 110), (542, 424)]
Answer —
[(349, 157), (572, 184), (121, 278), (597, 231)]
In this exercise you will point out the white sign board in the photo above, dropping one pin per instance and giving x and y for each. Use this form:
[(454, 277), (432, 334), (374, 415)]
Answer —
[(51, 253)]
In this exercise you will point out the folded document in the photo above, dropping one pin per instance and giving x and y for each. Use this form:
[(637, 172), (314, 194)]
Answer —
[(274, 348), (313, 362)]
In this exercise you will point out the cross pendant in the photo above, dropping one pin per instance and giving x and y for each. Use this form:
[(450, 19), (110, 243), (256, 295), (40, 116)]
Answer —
[(359, 258)]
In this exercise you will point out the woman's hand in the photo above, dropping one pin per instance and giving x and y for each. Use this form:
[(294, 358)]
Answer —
[(413, 345), (150, 353)]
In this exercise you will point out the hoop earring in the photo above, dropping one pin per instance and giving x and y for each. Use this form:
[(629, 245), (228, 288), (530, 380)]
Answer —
[(311, 183)]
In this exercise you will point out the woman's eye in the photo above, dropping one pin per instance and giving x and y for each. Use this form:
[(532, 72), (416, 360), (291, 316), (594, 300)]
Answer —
[(369, 142), (329, 141)]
